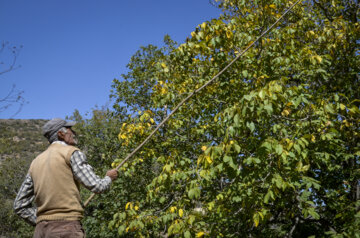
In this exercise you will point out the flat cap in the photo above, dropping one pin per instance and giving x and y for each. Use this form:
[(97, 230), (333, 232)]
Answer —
[(54, 125)]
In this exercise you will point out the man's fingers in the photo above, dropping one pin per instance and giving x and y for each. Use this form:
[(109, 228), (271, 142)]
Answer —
[(113, 174)]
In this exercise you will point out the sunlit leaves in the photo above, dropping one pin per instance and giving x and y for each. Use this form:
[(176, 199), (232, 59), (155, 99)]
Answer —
[(272, 143)]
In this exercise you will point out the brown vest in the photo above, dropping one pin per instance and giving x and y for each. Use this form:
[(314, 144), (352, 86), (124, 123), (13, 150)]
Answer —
[(57, 195)]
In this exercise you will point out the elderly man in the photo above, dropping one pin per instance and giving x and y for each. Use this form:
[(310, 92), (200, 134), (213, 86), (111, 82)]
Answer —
[(53, 182)]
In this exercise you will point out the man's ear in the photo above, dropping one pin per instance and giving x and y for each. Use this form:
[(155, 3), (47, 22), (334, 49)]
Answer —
[(61, 135)]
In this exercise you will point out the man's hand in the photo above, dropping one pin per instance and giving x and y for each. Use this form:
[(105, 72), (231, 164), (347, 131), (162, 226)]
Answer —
[(113, 174)]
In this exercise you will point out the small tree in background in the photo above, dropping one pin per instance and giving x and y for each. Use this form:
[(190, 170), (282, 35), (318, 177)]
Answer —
[(8, 63)]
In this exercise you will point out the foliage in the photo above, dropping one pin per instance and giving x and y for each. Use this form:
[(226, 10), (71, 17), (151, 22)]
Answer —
[(97, 139), (271, 149), (20, 142)]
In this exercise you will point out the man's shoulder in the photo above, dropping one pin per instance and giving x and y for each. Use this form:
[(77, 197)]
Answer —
[(64, 146)]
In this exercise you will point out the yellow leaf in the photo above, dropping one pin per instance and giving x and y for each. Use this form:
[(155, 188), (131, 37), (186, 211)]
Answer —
[(127, 229), (306, 167), (193, 34), (342, 106), (136, 208), (211, 205), (163, 91), (127, 205), (181, 212), (318, 58), (256, 219), (163, 65), (203, 25), (152, 120), (208, 159), (290, 145), (172, 209), (229, 34), (313, 138), (299, 166), (203, 148), (200, 234), (285, 112), (199, 160), (272, 6), (289, 104)]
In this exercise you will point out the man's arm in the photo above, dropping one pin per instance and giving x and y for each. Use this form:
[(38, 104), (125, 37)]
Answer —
[(23, 201), (84, 173)]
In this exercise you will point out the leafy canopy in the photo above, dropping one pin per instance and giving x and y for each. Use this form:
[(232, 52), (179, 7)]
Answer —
[(271, 149)]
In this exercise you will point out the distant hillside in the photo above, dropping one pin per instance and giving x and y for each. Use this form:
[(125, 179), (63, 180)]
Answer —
[(21, 138), (20, 142)]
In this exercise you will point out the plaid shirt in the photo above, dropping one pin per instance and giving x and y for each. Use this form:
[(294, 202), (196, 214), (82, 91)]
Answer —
[(83, 173)]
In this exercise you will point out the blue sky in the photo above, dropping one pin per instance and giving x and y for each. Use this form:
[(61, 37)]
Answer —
[(73, 49)]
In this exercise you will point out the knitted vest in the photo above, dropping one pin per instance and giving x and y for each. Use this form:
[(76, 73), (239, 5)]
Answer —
[(57, 194)]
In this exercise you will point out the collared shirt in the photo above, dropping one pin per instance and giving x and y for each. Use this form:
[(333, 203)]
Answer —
[(83, 173)]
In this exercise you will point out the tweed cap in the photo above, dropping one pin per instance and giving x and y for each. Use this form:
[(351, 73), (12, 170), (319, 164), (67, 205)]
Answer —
[(54, 125)]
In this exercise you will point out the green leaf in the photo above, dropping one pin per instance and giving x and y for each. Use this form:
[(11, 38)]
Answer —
[(237, 120), (245, 73), (194, 193), (121, 229), (268, 108), (237, 148), (266, 145), (251, 126), (262, 94), (227, 159), (278, 149), (268, 195)]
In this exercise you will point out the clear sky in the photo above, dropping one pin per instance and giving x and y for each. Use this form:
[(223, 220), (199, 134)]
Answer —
[(73, 49)]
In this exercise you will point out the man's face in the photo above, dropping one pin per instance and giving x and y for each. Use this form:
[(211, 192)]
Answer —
[(69, 137)]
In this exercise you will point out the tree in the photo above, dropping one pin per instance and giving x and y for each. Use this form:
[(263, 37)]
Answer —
[(14, 96), (271, 149)]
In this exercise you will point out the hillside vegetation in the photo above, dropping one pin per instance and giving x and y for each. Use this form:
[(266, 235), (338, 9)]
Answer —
[(20, 142)]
